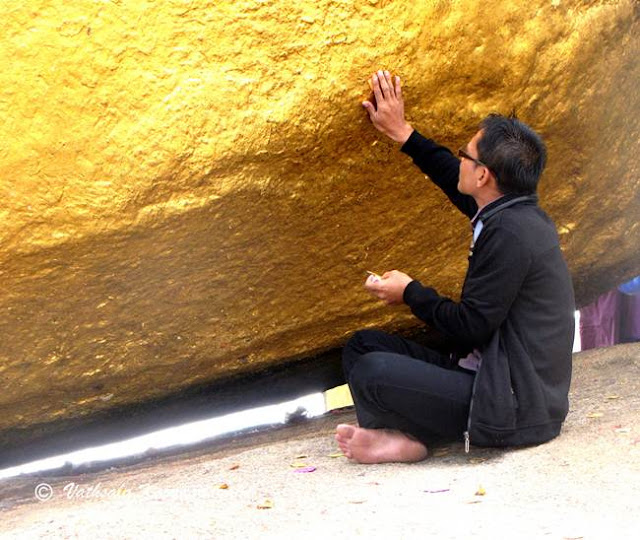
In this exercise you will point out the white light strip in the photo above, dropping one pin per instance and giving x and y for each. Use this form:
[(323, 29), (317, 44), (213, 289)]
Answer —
[(183, 435), (577, 342)]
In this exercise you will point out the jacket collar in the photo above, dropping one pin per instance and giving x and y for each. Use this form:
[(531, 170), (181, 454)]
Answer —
[(500, 204)]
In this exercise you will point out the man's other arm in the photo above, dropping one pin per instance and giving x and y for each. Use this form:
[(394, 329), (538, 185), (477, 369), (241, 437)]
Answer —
[(488, 294)]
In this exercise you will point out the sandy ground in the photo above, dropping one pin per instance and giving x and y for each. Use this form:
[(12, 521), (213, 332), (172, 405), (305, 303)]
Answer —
[(585, 484)]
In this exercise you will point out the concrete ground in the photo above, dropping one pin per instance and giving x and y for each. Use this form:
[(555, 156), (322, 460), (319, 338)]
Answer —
[(583, 485)]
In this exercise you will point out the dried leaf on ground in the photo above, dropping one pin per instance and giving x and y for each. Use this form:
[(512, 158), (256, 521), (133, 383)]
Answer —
[(481, 491), (266, 504)]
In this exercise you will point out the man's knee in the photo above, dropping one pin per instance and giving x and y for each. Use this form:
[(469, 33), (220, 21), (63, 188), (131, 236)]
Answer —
[(370, 369), (360, 343), (365, 341)]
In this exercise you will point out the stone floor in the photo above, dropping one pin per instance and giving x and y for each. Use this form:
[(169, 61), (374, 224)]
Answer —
[(583, 485)]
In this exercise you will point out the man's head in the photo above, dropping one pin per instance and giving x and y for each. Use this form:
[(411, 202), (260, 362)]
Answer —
[(504, 157), (513, 153)]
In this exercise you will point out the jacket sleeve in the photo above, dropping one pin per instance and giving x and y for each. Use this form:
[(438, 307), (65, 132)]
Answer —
[(493, 282), (439, 164)]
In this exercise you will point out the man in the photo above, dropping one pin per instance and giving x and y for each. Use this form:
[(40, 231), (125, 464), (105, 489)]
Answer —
[(507, 381)]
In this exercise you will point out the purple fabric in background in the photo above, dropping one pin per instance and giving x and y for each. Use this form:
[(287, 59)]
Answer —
[(599, 321), (630, 315), (613, 318)]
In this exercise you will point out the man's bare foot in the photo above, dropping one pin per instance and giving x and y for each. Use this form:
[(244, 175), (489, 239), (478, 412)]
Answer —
[(378, 445)]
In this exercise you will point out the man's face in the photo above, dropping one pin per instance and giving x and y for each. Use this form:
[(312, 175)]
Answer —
[(470, 171)]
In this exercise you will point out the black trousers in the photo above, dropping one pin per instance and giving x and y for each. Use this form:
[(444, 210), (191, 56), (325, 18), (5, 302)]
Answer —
[(399, 384)]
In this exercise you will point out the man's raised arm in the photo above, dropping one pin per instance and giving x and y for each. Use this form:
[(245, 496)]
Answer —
[(386, 112)]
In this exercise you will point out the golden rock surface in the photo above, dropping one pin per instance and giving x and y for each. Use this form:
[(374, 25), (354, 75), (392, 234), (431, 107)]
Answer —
[(191, 189)]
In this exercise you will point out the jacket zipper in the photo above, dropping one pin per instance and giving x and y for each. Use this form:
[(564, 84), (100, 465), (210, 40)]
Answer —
[(466, 435), (487, 215)]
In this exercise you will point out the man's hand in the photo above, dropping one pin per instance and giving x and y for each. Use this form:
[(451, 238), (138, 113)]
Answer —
[(386, 107), (390, 288)]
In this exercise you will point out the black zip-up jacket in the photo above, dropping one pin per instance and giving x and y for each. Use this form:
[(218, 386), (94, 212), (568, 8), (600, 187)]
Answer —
[(516, 308)]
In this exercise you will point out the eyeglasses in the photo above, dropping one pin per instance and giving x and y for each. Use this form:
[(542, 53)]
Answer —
[(463, 154)]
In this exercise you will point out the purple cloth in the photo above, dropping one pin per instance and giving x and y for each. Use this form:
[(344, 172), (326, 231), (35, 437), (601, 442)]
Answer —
[(599, 321), (630, 318), (613, 318)]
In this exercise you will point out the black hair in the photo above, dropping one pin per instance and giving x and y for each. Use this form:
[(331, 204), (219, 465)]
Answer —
[(514, 152)]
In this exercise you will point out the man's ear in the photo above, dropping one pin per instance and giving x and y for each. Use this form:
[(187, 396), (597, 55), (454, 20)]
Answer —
[(487, 179), (484, 178)]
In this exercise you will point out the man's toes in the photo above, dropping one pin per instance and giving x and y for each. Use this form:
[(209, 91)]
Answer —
[(345, 431)]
